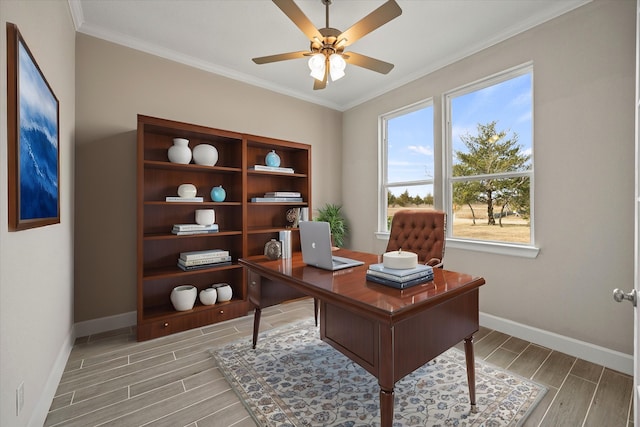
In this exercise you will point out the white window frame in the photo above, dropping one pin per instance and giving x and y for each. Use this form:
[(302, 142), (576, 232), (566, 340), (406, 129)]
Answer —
[(504, 248), (383, 184)]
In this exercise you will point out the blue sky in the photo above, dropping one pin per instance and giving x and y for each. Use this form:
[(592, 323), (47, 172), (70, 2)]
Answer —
[(410, 153)]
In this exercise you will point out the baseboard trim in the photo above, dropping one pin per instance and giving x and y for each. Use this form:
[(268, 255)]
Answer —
[(104, 324), (41, 409), (612, 359)]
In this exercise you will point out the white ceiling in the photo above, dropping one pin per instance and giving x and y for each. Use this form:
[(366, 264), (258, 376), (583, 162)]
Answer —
[(221, 36)]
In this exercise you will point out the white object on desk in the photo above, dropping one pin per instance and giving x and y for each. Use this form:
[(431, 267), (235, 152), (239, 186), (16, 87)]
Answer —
[(399, 260)]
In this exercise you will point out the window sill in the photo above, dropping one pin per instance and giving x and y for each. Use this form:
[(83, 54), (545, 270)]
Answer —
[(487, 247)]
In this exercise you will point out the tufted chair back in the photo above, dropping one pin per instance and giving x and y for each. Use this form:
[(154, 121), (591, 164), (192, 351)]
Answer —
[(421, 232)]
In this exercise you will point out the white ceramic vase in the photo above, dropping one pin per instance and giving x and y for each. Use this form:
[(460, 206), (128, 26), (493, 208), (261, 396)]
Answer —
[(208, 296), (224, 291), (180, 152), (187, 190), (205, 216), (205, 154), (183, 297)]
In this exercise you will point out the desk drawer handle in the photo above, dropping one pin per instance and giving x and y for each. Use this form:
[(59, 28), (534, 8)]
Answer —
[(221, 311), (166, 324)]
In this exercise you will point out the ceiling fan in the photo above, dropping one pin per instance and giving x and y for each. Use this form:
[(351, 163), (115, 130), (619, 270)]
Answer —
[(326, 54)]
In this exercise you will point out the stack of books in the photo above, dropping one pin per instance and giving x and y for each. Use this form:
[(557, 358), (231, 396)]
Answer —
[(397, 278), (203, 259), (188, 229), (279, 196)]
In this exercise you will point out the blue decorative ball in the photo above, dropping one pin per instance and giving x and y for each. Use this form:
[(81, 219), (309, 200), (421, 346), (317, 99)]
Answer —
[(272, 159), (218, 194)]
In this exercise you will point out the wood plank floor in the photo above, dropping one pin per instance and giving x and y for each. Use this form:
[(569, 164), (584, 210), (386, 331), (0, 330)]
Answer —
[(112, 380)]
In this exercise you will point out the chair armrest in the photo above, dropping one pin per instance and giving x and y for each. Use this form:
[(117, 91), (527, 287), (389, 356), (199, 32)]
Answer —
[(435, 263)]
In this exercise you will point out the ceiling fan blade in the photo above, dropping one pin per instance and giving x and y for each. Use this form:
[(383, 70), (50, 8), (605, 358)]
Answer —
[(280, 57), (367, 62), (372, 21), (299, 18)]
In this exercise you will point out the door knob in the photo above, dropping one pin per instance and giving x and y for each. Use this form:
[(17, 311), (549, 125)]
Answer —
[(619, 295)]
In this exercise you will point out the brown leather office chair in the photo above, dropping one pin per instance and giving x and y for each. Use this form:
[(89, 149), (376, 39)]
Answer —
[(421, 232)]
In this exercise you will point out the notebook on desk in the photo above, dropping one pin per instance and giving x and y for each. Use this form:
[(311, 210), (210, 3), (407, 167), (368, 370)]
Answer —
[(315, 239)]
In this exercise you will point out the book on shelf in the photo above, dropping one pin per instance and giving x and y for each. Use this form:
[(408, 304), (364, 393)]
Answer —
[(397, 284), (271, 169), (282, 194), (203, 261), (179, 199), (192, 232), (420, 268), (406, 278), (203, 266), (191, 227), (207, 253), (275, 199)]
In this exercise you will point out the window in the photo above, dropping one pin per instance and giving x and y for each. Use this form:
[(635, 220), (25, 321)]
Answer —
[(489, 159), (407, 169)]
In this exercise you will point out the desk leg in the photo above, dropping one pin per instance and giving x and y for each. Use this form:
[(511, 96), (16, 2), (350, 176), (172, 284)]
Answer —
[(256, 325), (386, 408), (316, 308), (471, 368)]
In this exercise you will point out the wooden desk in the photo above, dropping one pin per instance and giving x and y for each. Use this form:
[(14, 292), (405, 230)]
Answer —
[(389, 332)]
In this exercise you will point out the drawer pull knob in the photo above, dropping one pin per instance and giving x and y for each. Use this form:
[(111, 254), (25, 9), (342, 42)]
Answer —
[(166, 324), (221, 311)]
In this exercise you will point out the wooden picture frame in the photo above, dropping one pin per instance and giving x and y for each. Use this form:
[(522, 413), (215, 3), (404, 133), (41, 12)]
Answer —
[(33, 134)]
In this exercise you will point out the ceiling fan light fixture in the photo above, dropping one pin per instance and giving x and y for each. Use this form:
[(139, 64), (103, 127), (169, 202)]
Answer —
[(337, 64), (316, 65)]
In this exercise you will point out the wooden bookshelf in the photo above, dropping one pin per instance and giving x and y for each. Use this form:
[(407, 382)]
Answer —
[(244, 226)]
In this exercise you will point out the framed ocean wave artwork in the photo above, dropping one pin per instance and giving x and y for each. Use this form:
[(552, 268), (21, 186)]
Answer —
[(33, 130)]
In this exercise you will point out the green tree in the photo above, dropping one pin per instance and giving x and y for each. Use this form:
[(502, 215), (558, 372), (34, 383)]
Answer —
[(490, 152), (391, 199), (404, 199)]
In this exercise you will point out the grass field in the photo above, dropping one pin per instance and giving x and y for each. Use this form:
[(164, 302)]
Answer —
[(514, 229)]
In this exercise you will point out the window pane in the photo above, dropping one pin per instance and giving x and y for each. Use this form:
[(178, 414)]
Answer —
[(491, 148), (408, 197), (502, 111), (492, 209), (410, 146)]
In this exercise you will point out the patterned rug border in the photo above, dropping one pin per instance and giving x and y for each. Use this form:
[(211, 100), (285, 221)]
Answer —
[(309, 324)]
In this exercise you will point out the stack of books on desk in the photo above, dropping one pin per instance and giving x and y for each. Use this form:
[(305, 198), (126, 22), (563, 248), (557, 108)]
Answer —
[(279, 196), (188, 229), (400, 278), (203, 259)]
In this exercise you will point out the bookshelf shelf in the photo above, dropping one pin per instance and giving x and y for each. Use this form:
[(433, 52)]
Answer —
[(244, 227)]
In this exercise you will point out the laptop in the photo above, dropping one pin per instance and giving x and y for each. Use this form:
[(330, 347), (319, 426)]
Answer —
[(315, 239)]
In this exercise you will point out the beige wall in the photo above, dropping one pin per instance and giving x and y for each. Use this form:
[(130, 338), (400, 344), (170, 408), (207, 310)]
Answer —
[(584, 65), (36, 265), (114, 84)]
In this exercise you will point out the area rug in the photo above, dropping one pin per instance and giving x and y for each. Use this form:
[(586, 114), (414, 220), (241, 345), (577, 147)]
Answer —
[(293, 378)]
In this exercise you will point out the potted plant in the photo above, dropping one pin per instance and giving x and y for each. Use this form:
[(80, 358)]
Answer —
[(337, 223)]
